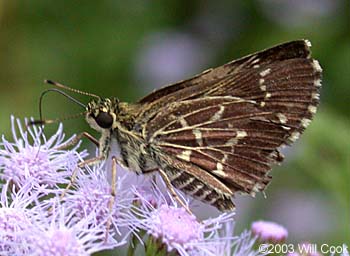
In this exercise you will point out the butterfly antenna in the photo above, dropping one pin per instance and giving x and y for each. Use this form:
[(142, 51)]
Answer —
[(71, 89), (41, 121)]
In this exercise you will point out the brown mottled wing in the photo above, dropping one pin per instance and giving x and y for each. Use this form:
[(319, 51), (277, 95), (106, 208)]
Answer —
[(290, 50), (219, 132)]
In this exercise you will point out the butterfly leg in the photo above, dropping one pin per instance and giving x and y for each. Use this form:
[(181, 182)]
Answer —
[(113, 194), (172, 190), (77, 138), (73, 177), (90, 161)]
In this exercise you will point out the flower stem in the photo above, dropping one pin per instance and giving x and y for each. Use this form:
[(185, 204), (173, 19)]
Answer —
[(154, 247), (135, 240)]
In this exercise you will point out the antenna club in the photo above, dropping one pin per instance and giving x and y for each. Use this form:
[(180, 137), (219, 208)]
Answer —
[(48, 81)]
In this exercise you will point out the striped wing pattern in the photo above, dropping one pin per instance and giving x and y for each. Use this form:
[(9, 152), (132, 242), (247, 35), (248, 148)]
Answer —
[(219, 132)]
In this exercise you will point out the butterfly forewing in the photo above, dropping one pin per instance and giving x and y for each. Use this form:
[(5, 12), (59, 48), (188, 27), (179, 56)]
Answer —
[(290, 50), (219, 132)]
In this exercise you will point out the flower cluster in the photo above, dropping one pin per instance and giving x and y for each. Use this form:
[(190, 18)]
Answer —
[(33, 158), (39, 216), (269, 231)]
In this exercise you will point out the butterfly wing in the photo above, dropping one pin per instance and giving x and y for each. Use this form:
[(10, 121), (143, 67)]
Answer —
[(290, 50), (219, 132)]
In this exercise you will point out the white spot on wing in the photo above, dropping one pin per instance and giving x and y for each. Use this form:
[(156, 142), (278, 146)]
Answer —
[(305, 122), (262, 104), (186, 183), (315, 96), (257, 188), (263, 87), (194, 191), (268, 95), (218, 114), (282, 118), (241, 134), (198, 135), (308, 43), (224, 158), (316, 66), (265, 72), (213, 200), (312, 109), (185, 155), (204, 195), (176, 175), (255, 61), (220, 173), (231, 142), (219, 170), (317, 83), (183, 122), (294, 136)]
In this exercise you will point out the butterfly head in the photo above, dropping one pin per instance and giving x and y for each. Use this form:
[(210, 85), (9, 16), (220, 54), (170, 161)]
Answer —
[(102, 113)]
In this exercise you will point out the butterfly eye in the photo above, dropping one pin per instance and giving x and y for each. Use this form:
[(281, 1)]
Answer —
[(104, 120)]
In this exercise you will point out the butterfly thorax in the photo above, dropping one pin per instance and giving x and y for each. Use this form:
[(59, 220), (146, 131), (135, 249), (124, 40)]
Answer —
[(115, 120)]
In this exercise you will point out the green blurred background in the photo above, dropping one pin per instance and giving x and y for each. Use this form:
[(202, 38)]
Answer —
[(128, 48)]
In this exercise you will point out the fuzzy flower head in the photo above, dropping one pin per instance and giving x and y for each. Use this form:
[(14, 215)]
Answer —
[(16, 215), (33, 157), (174, 227), (59, 242), (93, 196), (268, 231), (61, 234), (12, 222)]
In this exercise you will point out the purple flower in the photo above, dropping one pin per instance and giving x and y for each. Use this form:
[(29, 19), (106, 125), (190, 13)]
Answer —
[(35, 221), (268, 231), (92, 196), (58, 233), (16, 216), (32, 156), (175, 228)]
